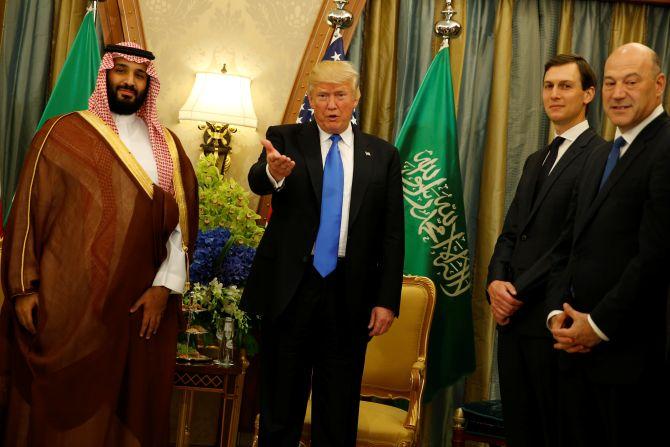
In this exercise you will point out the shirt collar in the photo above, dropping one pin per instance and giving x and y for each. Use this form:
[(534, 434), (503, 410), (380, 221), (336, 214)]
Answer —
[(631, 134), (575, 131), (125, 120), (347, 136)]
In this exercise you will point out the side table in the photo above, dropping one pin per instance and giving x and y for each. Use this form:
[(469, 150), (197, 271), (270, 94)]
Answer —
[(211, 378)]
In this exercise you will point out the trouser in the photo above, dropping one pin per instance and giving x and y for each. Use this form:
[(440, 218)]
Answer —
[(528, 369), (311, 345)]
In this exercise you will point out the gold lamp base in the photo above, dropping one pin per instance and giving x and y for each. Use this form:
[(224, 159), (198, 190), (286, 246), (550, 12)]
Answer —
[(216, 140)]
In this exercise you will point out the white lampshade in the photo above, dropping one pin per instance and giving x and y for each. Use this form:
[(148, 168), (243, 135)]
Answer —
[(220, 98)]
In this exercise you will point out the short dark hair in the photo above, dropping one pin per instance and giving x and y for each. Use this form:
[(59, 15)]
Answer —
[(588, 77)]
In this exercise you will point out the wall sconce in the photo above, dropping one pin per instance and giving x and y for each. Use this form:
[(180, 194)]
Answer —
[(221, 100)]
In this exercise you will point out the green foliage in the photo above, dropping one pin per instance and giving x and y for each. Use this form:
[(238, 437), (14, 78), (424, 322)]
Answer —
[(224, 203)]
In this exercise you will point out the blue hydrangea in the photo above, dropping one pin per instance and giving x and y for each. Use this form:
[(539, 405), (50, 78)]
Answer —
[(236, 265), (207, 251)]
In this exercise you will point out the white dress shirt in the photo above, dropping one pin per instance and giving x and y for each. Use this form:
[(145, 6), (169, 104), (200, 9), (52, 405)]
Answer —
[(135, 135), (346, 146), (570, 136)]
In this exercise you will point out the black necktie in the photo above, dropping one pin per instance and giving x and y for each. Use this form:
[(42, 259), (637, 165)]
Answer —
[(549, 161)]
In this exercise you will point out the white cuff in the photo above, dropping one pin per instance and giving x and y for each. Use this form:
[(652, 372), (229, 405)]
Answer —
[(596, 329), (276, 184), (172, 272), (551, 314)]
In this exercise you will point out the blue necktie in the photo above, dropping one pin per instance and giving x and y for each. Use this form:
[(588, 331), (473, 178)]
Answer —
[(612, 160), (328, 237)]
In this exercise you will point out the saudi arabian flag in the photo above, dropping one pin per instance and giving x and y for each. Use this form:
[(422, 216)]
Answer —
[(436, 243), (77, 78)]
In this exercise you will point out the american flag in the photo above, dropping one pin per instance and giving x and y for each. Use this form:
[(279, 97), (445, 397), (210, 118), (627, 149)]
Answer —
[(334, 52)]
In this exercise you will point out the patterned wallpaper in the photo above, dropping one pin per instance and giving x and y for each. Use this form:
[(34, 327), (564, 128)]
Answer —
[(261, 39)]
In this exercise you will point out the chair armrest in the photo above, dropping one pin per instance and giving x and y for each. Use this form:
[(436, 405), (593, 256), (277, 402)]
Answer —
[(417, 382)]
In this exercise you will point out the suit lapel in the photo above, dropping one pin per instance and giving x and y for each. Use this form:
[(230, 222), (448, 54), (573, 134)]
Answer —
[(310, 148), (577, 148), (533, 174), (363, 159), (636, 148)]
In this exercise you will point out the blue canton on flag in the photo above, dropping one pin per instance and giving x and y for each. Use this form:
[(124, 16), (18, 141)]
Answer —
[(334, 52)]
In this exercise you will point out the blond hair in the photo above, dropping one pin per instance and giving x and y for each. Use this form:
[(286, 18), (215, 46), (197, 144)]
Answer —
[(334, 72)]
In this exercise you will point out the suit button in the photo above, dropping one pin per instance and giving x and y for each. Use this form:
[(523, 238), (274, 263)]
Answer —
[(524, 237)]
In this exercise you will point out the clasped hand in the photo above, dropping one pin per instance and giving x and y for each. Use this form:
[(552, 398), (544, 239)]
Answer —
[(503, 301), (572, 331)]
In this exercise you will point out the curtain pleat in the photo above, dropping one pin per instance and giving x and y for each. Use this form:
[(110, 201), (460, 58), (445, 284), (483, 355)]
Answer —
[(590, 39), (24, 73), (355, 50), (492, 193), (534, 35), (658, 38), (379, 68), (629, 23), (2, 16), (68, 15), (415, 36), (564, 42), (475, 93)]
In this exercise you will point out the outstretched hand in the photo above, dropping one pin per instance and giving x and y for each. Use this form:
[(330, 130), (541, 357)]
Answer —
[(280, 166)]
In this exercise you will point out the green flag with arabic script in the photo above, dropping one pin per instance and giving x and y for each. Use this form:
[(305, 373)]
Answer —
[(436, 243)]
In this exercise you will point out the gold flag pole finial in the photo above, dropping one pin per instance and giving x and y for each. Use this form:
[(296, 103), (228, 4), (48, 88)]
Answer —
[(447, 28), (340, 18)]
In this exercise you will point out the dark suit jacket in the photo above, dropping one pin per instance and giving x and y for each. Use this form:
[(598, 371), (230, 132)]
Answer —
[(619, 257), (531, 228), (375, 243)]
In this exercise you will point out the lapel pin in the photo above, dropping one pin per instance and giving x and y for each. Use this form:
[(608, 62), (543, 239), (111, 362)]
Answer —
[(367, 154)]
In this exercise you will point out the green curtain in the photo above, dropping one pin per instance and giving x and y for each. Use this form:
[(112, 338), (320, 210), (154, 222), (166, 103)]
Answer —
[(474, 105), (414, 53), (590, 39), (355, 50), (658, 38), (534, 35), (24, 73)]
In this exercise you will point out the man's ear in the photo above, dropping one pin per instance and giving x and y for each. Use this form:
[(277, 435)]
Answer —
[(589, 94)]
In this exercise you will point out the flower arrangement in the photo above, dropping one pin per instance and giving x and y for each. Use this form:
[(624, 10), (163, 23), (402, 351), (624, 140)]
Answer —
[(227, 239)]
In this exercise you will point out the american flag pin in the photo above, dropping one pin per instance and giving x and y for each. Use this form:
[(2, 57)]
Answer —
[(367, 154)]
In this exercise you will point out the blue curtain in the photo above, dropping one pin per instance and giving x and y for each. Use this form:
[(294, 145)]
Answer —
[(413, 53), (590, 39), (24, 72), (473, 107), (535, 29)]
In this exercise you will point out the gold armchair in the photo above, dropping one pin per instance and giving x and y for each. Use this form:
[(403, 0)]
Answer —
[(395, 368), (395, 365)]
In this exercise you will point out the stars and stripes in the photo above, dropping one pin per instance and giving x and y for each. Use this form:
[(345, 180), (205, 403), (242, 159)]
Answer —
[(334, 52)]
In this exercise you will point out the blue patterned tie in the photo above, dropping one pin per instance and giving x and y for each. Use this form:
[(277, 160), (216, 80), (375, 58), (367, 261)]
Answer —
[(328, 237), (612, 160)]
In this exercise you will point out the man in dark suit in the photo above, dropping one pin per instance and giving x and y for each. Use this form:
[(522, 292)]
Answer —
[(520, 265), (328, 272), (607, 300)]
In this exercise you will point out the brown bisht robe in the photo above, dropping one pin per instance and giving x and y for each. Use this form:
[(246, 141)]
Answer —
[(87, 232)]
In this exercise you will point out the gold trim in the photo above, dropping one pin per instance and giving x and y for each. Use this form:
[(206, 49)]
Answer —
[(30, 194), (121, 151), (178, 184)]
